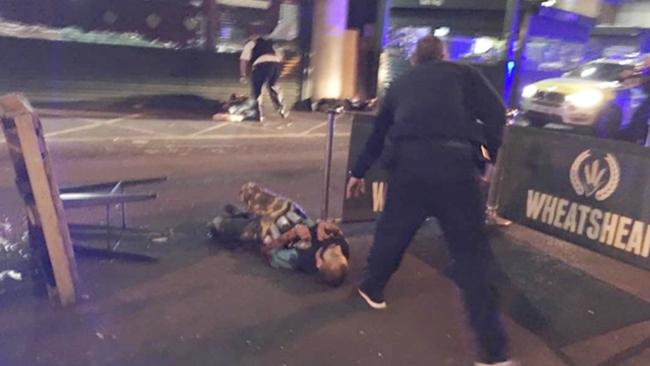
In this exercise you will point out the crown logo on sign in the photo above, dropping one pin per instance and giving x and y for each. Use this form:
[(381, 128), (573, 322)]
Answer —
[(589, 178), (593, 177)]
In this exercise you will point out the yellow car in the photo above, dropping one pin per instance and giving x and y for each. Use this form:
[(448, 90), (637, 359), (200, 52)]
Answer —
[(599, 97)]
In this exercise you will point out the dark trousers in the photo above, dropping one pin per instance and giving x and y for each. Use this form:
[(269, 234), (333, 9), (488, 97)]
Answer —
[(236, 227), (266, 73), (637, 131), (433, 178)]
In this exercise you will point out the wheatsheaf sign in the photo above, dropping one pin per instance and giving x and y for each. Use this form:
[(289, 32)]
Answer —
[(591, 192)]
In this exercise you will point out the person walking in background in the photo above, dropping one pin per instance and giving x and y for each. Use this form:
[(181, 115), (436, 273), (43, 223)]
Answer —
[(430, 114), (265, 65)]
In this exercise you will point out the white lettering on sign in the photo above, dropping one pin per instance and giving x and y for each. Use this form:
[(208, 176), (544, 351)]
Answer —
[(379, 196), (432, 2), (608, 228)]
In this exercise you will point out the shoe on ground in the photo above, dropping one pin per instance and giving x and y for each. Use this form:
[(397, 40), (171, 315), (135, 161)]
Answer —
[(283, 113), (215, 227), (234, 211), (505, 363), (497, 221), (253, 117), (374, 298)]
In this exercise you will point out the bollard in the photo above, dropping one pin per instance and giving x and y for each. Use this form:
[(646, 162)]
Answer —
[(492, 206), (331, 122), (491, 216)]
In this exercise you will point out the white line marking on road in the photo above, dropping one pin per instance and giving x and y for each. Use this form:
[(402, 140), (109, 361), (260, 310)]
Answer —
[(91, 126), (208, 129), (313, 128), (143, 130), (286, 125), (116, 120), (254, 125), (74, 129), (201, 138)]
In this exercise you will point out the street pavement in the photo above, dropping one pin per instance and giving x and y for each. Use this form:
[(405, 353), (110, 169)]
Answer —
[(203, 305)]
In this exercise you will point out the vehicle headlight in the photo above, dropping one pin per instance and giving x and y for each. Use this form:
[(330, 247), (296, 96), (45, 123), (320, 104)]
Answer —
[(529, 91), (586, 99)]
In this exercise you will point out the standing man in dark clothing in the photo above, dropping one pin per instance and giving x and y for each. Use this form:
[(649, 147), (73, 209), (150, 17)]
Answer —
[(259, 55), (637, 132), (430, 114)]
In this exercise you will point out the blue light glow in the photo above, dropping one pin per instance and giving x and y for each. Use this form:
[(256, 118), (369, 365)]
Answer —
[(511, 67)]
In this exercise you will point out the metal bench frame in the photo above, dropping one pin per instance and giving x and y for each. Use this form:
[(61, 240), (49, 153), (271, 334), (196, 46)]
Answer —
[(108, 194)]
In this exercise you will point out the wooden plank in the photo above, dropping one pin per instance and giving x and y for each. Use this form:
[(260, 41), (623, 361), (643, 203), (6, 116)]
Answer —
[(14, 104), (30, 153)]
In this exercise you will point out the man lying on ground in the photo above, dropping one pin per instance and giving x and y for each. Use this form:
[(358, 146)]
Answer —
[(285, 235)]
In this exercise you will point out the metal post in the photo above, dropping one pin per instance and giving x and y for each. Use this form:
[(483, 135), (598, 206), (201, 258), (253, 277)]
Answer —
[(108, 227), (510, 34), (492, 206), (331, 122), (493, 192), (381, 39), (123, 209), (511, 28), (210, 15)]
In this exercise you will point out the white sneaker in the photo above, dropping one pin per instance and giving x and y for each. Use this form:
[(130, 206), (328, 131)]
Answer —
[(506, 363)]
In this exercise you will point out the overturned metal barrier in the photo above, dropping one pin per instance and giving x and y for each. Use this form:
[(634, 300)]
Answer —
[(366, 207), (108, 195), (49, 231)]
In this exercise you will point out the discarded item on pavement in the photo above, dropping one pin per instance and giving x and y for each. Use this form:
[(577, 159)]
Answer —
[(237, 109), (162, 239), (225, 117), (14, 275)]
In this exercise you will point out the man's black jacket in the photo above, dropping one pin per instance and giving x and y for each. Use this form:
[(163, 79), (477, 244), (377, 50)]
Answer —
[(437, 100)]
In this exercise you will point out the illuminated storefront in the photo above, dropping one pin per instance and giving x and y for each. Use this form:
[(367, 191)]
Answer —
[(178, 46), (472, 29), (155, 23)]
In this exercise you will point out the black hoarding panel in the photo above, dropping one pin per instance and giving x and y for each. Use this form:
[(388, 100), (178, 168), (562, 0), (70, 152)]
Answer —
[(370, 205), (588, 191)]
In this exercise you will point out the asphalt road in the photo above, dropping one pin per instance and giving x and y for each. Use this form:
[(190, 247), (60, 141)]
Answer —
[(201, 305)]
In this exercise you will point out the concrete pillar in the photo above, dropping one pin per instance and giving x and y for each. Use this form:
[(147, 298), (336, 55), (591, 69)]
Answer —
[(608, 13), (350, 65), (328, 40), (634, 14), (211, 25)]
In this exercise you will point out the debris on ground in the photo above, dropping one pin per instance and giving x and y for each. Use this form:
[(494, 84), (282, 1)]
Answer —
[(14, 275), (356, 104), (160, 240), (237, 109)]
